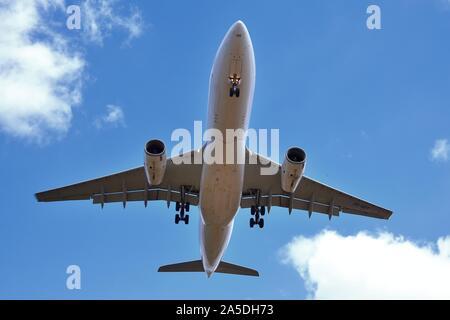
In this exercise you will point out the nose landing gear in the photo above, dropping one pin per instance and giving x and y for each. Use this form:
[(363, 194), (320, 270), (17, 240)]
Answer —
[(257, 212), (234, 90), (234, 80)]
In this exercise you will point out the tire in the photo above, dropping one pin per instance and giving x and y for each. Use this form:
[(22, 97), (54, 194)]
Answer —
[(177, 207), (177, 218), (186, 219), (231, 92), (263, 210), (253, 210), (237, 92), (187, 206), (252, 223), (261, 223)]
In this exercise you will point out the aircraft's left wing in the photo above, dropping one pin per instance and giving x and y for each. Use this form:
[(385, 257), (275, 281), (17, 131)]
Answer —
[(311, 196), (181, 183)]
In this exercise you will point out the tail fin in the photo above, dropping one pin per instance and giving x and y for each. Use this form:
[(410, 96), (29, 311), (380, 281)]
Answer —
[(197, 266)]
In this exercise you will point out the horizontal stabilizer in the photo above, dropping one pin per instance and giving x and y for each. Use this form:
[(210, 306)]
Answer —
[(197, 266)]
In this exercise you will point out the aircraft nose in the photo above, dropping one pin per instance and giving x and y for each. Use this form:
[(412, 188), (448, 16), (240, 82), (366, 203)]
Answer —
[(238, 34), (239, 27)]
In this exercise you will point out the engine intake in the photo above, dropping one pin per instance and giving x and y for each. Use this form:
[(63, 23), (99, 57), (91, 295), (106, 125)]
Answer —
[(155, 161), (292, 169)]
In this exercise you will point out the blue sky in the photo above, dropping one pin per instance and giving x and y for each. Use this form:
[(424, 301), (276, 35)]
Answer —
[(367, 106)]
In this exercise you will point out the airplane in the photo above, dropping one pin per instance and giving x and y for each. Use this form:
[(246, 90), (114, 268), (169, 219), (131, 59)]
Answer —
[(219, 190)]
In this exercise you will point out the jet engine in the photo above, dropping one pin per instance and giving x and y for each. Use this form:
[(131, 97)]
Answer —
[(292, 169), (155, 161)]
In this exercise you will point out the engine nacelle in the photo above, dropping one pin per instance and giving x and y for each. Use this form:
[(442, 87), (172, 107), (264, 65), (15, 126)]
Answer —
[(155, 161), (292, 169)]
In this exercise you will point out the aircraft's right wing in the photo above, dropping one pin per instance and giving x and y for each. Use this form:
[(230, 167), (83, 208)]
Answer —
[(311, 195), (180, 180)]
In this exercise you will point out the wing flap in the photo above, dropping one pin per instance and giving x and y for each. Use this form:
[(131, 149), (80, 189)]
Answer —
[(152, 195), (285, 202)]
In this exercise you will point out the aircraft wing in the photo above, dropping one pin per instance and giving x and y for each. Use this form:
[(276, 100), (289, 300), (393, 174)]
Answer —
[(131, 185), (311, 195), (184, 180)]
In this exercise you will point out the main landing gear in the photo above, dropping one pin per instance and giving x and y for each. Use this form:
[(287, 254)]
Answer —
[(181, 216), (257, 212)]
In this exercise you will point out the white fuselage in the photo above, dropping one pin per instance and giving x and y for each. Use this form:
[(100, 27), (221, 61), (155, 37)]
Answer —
[(221, 184)]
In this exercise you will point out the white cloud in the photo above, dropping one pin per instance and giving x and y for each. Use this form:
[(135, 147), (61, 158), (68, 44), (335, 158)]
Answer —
[(114, 117), (366, 266), (41, 75), (440, 150), (99, 19), (40, 78)]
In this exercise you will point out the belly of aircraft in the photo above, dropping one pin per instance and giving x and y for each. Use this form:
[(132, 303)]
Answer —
[(220, 196)]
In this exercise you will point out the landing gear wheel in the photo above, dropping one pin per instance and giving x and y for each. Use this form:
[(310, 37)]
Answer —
[(234, 90), (261, 223), (177, 218), (263, 210), (253, 210), (177, 206), (186, 219), (252, 222), (187, 206)]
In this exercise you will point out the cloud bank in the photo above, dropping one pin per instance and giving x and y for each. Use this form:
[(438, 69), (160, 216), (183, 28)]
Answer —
[(41, 74), (365, 266), (40, 79)]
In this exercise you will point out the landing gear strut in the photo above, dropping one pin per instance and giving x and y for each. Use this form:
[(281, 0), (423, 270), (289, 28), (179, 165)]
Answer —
[(182, 208), (257, 212)]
